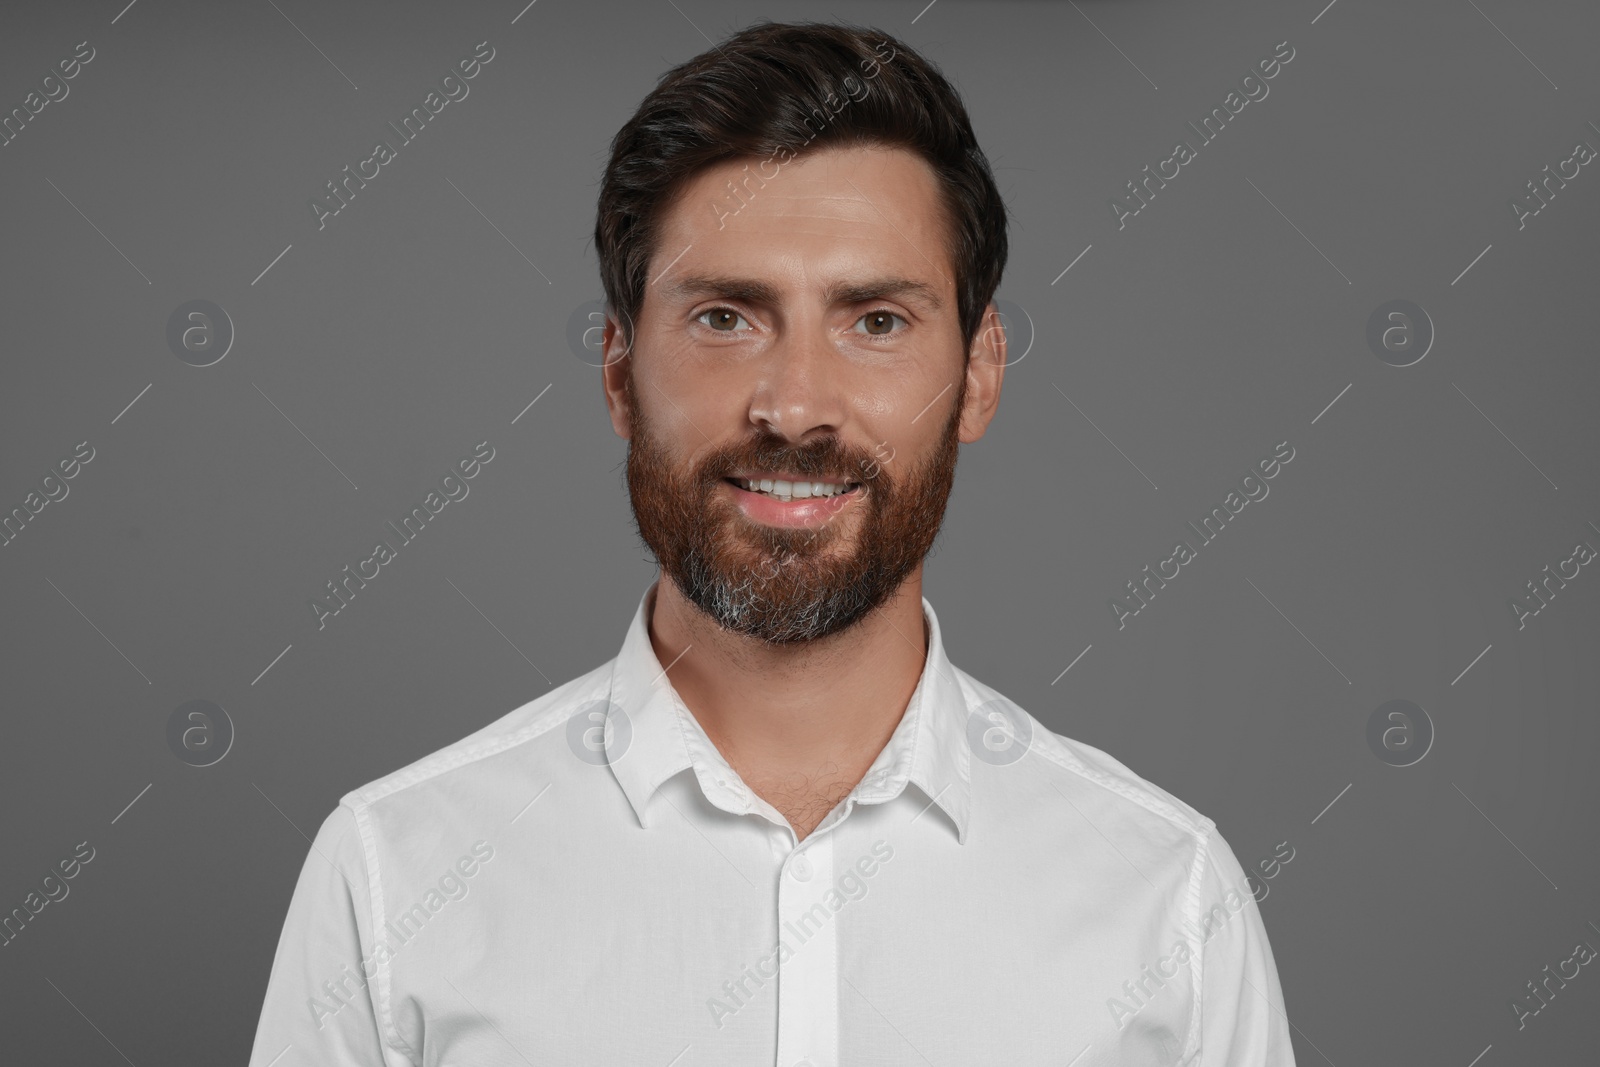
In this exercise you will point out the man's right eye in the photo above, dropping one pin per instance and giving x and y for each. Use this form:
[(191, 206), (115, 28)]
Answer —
[(721, 319)]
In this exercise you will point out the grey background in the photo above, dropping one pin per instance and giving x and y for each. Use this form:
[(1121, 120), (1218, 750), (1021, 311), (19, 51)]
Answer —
[(1176, 352)]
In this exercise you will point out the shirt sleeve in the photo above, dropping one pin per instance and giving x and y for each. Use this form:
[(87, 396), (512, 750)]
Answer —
[(319, 1008), (1244, 1021)]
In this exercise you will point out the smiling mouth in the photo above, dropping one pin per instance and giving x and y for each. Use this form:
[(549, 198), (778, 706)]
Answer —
[(786, 491)]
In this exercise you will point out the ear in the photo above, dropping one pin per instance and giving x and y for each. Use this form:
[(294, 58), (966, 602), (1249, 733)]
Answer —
[(986, 367), (614, 376)]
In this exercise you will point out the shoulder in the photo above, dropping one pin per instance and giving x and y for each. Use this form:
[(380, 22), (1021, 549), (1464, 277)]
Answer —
[(474, 770), (1091, 779)]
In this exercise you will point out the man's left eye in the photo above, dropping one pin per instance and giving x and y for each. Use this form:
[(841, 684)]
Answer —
[(880, 323)]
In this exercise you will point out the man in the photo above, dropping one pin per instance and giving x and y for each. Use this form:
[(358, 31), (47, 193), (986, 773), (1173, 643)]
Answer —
[(781, 827)]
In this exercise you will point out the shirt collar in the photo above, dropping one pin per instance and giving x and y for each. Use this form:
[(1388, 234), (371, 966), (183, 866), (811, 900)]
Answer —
[(654, 736)]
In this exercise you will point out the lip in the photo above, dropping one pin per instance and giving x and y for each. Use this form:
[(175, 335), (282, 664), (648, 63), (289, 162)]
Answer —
[(770, 511)]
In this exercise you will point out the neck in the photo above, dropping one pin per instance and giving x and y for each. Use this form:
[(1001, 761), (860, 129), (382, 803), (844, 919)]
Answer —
[(802, 722)]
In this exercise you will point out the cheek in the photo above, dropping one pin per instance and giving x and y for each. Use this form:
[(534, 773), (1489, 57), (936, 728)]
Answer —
[(680, 387), (905, 418)]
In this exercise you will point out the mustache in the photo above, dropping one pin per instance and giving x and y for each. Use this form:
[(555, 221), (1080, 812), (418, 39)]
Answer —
[(826, 458)]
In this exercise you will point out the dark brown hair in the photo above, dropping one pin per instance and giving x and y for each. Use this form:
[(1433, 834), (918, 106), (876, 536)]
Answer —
[(774, 90)]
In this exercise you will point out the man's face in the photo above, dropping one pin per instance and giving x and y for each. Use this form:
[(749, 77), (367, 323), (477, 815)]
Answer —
[(804, 330)]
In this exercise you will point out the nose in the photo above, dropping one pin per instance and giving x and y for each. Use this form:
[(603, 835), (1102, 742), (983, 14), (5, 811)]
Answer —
[(803, 390)]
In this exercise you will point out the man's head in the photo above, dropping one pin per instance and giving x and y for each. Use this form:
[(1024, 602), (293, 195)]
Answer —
[(800, 242)]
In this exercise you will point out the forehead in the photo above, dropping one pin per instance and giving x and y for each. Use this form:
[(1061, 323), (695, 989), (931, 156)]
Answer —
[(831, 214)]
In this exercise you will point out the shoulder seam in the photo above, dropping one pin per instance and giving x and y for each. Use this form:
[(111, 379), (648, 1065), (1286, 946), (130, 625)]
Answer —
[(1150, 803), (1202, 856), (369, 859), (443, 762)]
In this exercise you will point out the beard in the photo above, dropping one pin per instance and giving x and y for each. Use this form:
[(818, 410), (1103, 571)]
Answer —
[(784, 585)]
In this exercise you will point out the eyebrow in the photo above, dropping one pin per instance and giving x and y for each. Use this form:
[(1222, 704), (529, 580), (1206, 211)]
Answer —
[(756, 292)]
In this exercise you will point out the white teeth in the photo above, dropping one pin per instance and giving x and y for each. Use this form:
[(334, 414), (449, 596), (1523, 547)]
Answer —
[(787, 491)]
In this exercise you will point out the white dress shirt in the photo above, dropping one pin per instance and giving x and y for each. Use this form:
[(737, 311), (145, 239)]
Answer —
[(554, 889)]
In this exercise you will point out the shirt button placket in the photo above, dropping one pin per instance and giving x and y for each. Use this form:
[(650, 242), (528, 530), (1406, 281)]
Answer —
[(808, 980)]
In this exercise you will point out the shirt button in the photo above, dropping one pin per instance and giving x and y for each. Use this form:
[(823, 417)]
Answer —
[(801, 869)]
